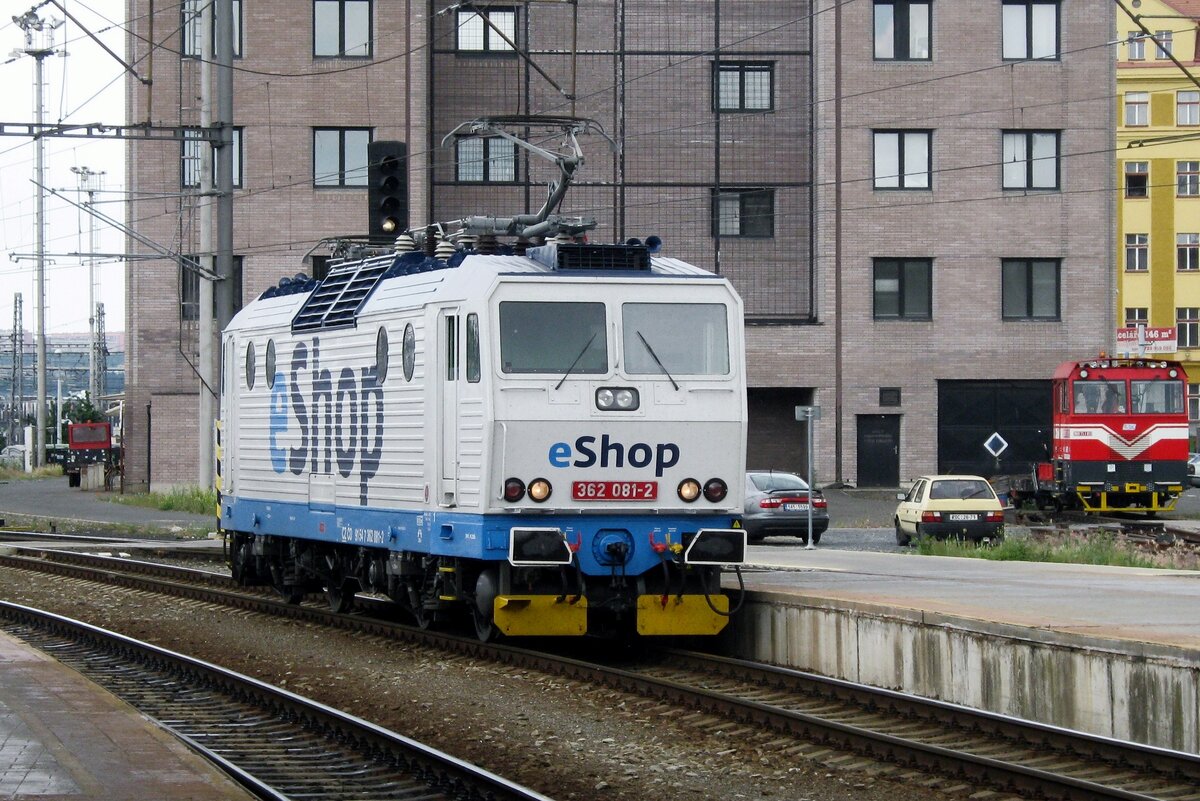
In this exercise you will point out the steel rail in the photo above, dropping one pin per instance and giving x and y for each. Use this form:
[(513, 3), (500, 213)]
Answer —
[(1158, 766), (380, 759)]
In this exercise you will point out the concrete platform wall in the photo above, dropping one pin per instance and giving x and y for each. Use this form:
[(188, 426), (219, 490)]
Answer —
[(1128, 690)]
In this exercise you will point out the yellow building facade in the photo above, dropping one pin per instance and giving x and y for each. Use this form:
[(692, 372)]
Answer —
[(1158, 177)]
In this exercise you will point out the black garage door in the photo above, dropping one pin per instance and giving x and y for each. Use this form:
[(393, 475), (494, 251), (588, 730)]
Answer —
[(969, 412), (775, 440)]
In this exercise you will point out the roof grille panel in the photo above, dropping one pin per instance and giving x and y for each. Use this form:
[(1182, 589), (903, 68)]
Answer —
[(336, 301)]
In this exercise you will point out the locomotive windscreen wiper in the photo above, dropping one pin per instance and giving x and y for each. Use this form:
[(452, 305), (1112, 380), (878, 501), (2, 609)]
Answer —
[(657, 360), (586, 345)]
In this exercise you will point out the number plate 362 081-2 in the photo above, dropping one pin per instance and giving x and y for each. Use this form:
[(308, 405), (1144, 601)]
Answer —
[(614, 490)]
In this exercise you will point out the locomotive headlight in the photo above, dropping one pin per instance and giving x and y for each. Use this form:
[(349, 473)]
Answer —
[(715, 490), (514, 489), (1083, 373), (621, 399), (689, 490), (539, 490), (1173, 373)]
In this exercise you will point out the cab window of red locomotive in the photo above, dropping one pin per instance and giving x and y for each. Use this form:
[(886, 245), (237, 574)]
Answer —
[(1157, 397), (1087, 398)]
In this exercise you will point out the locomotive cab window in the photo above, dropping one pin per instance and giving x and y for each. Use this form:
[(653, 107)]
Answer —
[(553, 337), (1157, 397), (1100, 397), (675, 339)]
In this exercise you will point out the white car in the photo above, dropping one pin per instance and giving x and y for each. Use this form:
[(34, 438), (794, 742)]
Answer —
[(965, 507)]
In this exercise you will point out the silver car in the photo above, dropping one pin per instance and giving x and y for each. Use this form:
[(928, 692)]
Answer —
[(778, 503)]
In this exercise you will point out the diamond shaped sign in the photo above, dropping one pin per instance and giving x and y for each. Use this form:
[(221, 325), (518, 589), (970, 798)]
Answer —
[(996, 444)]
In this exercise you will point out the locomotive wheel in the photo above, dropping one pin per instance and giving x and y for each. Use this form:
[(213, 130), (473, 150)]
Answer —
[(901, 538), (241, 562), (340, 595), (486, 587)]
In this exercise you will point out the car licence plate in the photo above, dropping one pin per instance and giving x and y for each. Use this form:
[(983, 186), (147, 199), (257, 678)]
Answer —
[(795, 507), (961, 518), (614, 490)]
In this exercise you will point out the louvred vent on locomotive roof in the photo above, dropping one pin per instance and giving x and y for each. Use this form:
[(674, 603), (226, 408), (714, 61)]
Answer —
[(335, 303), (578, 256)]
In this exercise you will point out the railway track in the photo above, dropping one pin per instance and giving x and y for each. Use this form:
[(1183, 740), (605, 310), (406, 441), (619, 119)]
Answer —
[(984, 750), (277, 744)]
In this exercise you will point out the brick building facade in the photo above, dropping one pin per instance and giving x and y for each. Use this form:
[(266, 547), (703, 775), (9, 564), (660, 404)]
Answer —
[(780, 144)]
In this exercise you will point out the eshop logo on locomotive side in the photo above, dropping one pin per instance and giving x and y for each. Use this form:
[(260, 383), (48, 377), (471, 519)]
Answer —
[(331, 423)]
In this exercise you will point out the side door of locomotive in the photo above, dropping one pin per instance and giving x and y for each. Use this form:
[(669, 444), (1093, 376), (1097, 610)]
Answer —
[(449, 367)]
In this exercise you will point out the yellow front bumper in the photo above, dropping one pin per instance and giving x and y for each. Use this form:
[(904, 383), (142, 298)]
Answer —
[(540, 616), (681, 615)]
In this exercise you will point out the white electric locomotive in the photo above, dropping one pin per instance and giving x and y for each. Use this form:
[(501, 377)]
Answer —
[(553, 443)]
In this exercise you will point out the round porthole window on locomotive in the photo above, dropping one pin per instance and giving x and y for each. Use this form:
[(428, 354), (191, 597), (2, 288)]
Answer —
[(381, 356), (410, 352), (250, 365), (270, 364)]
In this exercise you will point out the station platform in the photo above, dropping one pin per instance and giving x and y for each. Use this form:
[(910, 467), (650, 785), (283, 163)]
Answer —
[(1108, 650), (62, 736)]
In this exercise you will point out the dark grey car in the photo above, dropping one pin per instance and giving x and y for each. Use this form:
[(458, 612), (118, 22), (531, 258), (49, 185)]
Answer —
[(777, 503)]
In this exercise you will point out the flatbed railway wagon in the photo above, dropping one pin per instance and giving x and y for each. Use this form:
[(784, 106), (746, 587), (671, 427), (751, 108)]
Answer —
[(1119, 438), (544, 444)]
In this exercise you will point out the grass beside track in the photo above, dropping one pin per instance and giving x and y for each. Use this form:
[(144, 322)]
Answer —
[(1092, 548), (189, 499), (18, 474)]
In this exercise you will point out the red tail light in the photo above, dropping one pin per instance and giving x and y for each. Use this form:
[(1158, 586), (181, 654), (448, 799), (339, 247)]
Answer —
[(995, 517), (820, 503), (769, 503), (931, 517)]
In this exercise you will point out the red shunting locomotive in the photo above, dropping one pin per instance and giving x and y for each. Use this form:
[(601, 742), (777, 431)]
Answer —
[(1120, 438)]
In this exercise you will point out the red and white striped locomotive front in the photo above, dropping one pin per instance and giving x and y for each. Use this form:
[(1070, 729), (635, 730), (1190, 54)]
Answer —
[(1121, 421)]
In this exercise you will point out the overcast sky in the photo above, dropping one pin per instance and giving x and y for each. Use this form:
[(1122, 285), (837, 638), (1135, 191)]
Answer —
[(85, 86)]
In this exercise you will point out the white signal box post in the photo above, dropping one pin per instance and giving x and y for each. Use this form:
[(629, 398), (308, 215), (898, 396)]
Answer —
[(807, 414)]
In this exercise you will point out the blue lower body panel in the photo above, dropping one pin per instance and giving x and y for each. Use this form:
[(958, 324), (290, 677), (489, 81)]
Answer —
[(594, 537)]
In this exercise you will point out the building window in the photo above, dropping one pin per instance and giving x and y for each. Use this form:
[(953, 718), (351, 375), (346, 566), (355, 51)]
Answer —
[(1188, 178), (903, 289), (1164, 45), (1030, 159), (1136, 44), (1193, 393), (889, 396), (745, 87), (1187, 327), (1137, 179), (903, 159), (1137, 108), (1187, 250), (190, 160), (1030, 289), (342, 28), (1030, 29), (477, 36), (902, 30), (340, 156), (189, 288), (1136, 315), (485, 160), (1137, 252), (744, 212), (191, 10), (1187, 108)]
